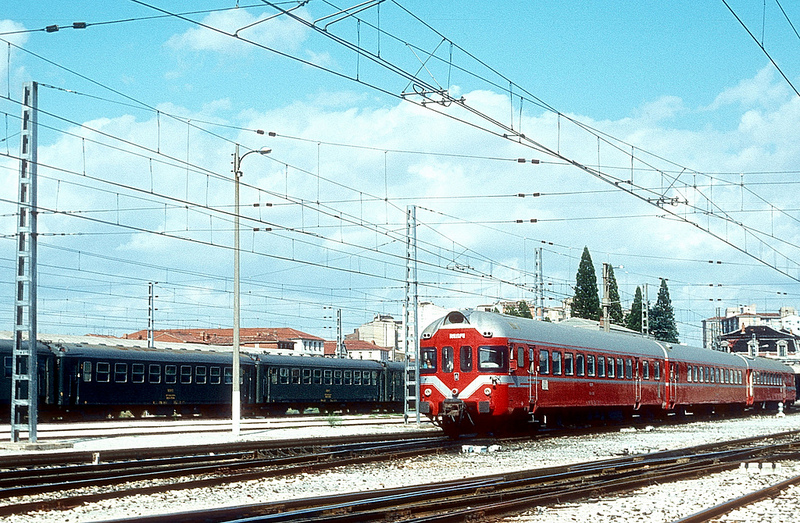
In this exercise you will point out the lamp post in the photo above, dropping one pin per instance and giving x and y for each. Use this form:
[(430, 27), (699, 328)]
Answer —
[(236, 396)]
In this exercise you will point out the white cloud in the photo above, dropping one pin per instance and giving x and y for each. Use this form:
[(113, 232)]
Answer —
[(278, 32), (10, 26), (764, 89)]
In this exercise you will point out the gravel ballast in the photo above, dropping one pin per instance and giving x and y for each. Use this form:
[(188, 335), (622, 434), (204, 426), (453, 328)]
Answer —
[(666, 502)]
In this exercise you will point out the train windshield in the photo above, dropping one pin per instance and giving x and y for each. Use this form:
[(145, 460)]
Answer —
[(492, 359), (428, 359)]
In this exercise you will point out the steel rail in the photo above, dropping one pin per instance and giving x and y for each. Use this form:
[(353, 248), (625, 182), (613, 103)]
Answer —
[(742, 501)]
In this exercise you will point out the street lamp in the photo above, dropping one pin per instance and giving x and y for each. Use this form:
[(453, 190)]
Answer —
[(236, 396)]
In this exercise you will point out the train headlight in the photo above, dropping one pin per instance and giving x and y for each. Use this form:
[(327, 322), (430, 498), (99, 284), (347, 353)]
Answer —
[(487, 391), (427, 392)]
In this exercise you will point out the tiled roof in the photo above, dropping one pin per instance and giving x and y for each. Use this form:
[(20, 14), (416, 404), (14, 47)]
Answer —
[(225, 336)]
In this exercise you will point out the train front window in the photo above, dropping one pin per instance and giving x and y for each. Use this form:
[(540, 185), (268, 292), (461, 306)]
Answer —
[(428, 357), (465, 355), (492, 359), (447, 359)]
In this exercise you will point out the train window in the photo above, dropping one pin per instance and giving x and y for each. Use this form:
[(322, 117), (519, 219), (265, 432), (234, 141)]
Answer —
[(7, 366), (170, 374), (103, 371), (154, 372), (465, 358), (273, 375), (620, 372), (306, 376), (374, 377), (365, 377), (328, 376), (601, 366), (200, 376), (579, 364), (590, 369), (86, 367), (568, 363), (646, 370), (556, 363), (629, 369), (120, 373), (283, 376), (348, 377), (610, 367), (215, 375), (356, 377), (726, 377), (227, 374), (689, 373), (137, 373), (719, 375), (428, 357), (492, 359), (447, 359), (657, 371), (544, 362), (317, 376), (186, 374), (295, 376)]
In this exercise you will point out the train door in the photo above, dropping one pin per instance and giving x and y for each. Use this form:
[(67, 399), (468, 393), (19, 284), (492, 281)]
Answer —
[(637, 377), (672, 376), (533, 390), (517, 371)]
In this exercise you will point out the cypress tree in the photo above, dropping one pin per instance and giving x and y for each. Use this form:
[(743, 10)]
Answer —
[(662, 317), (586, 303), (615, 307), (633, 320)]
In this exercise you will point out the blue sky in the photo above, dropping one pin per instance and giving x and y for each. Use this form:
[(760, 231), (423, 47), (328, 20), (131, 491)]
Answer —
[(709, 121)]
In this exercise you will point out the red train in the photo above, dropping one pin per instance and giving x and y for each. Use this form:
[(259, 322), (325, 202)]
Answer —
[(484, 371)]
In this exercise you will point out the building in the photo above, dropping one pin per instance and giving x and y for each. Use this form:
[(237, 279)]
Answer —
[(360, 350), (739, 319), (761, 340), (283, 340)]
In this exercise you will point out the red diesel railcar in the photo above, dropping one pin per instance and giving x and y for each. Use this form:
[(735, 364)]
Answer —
[(482, 370)]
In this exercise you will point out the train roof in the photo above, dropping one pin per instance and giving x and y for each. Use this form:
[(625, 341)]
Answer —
[(579, 336), (316, 361), (143, 353)]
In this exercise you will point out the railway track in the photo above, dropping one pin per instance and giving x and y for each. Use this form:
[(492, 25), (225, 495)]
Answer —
[(490, 497), (122, 474)]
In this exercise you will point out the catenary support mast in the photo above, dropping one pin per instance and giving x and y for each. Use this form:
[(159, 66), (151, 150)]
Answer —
[(411, 318), (24, 387)]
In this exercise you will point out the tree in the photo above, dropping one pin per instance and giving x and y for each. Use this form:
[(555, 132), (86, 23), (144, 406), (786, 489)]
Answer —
[(615, 307), (662, 317), (521, 310), (633, 320), (586, 303)]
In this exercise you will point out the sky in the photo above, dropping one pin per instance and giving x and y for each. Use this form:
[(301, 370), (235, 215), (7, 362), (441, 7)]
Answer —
[(662, 139)]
